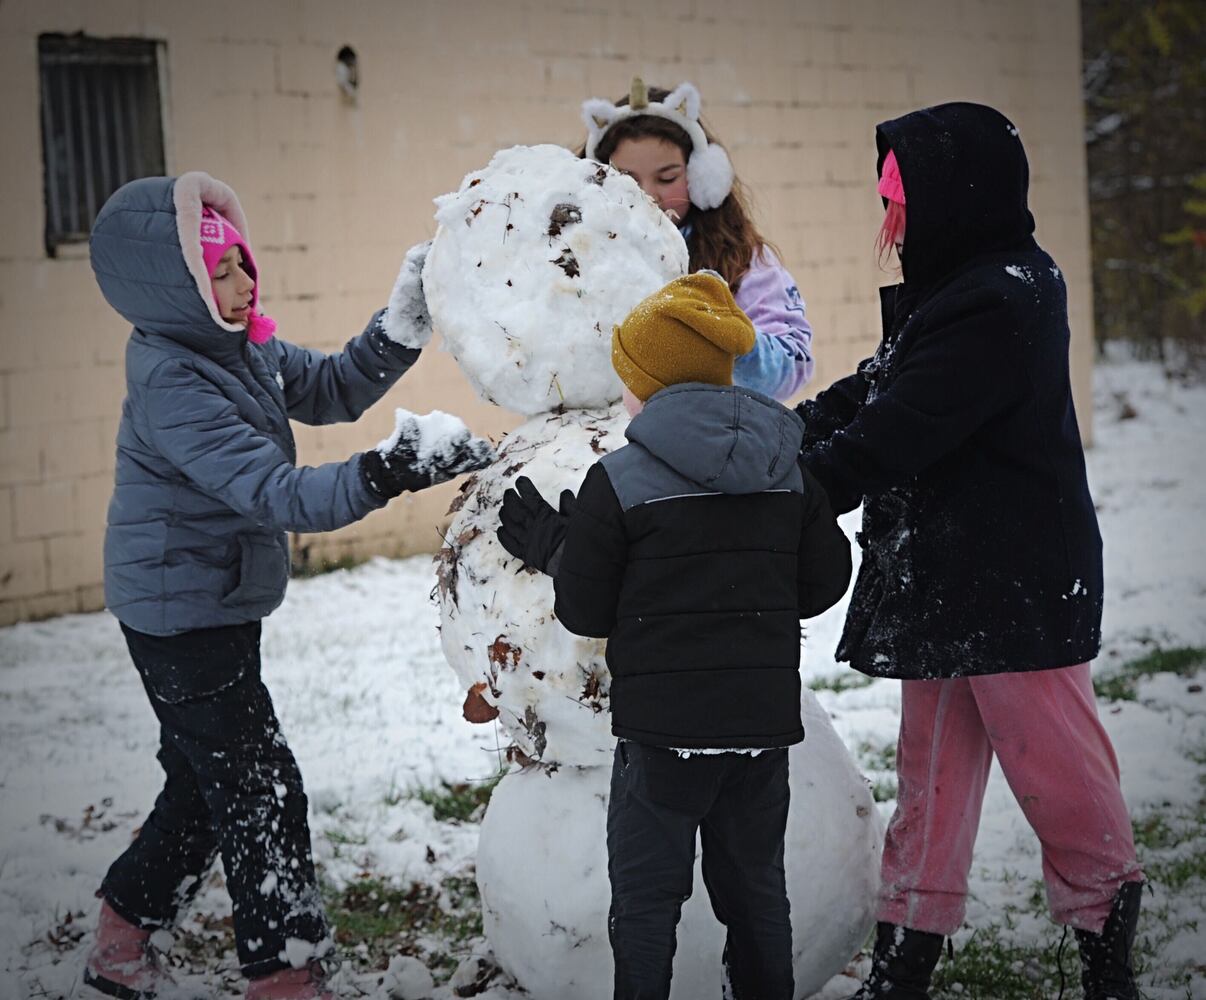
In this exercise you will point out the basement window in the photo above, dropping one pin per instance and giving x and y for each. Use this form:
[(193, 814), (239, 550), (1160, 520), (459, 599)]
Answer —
[(102, 125)]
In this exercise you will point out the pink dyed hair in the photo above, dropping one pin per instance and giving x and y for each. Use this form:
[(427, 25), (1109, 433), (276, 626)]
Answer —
[(891, 187), (891, 231)]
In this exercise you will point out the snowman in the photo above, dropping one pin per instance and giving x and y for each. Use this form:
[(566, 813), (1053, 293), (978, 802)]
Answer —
[(536, 258)]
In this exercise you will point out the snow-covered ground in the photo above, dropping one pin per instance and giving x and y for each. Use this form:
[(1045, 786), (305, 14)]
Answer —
[(374, 715)]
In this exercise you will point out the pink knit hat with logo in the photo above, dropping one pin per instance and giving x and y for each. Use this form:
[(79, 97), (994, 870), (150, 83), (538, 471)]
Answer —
[(218, 235), (890, 184)]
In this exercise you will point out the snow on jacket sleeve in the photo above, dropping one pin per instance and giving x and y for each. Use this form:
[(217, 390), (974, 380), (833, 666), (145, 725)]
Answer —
[(955, 374), (593, 561), (832, 409), (337, 388), (193, 425), (823, 562), (781, 361)]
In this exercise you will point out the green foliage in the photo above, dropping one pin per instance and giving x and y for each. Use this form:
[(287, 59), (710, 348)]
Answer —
[(1144, 74), (1171, 841), (342, 838), (1115, 687), (848, 681), (879, 761), (1185, 661), (996, 964), (884, 789), (436, 921), (463, 802), (389, 919), (877, 757), (1006, 960), (1190, 241), (1172, 847)]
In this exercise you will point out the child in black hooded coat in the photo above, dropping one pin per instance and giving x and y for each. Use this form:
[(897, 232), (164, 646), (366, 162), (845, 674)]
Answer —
[(981, 578)]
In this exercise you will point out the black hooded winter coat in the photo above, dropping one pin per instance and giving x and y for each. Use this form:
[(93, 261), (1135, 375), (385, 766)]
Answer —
[(981, 552)]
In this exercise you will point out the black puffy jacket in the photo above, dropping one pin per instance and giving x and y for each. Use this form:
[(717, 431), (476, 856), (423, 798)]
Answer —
[(695, 550)]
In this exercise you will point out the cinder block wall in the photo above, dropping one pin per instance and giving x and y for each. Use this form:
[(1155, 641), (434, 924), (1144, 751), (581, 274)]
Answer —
[(336, 192)]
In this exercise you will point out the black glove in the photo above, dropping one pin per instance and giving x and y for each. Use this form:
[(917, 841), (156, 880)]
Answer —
[(530, 529), (397, 470)]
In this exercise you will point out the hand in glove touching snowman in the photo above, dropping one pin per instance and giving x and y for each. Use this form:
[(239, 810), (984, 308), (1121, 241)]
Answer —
[(406, 320), (530, 529)]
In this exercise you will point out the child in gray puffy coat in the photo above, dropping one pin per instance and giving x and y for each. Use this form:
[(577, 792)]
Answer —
[(196, 554)]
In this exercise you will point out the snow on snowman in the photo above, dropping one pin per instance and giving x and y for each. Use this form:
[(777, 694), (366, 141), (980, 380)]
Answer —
[(537, 257)]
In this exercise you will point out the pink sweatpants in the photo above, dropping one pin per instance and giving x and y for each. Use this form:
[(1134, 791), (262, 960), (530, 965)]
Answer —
[(1059, 763)]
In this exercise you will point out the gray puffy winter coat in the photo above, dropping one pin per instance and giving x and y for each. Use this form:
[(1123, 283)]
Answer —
[(206, 486)]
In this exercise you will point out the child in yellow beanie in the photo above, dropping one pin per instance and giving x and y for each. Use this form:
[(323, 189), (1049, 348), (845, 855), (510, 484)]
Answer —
[(695, 550)]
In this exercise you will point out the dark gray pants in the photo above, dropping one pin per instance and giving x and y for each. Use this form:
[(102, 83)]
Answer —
[(232, 786), (738, 804)]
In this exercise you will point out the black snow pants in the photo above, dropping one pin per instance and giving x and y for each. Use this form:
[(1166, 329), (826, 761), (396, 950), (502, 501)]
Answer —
[(232, 786), (738, 805)]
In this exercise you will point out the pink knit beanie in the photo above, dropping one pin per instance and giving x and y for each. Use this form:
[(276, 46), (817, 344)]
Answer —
[(890, 184), (218, 235)]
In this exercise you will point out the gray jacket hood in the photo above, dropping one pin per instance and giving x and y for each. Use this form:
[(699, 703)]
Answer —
[(725, 438), (146, 254)]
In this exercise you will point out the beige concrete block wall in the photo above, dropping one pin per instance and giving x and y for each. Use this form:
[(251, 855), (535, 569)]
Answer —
[(336, 192)]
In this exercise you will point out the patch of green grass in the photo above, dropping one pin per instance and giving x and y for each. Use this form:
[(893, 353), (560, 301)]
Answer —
[(1185, 661), (884, 790), (1172, 846), (1001, 962), (849, 681), (993, 964), (1115, 687), (1154, 832), (462, 802), (879, 760), (388, 919), (462, 923), (875, 757), (393, 794), (342, 840)]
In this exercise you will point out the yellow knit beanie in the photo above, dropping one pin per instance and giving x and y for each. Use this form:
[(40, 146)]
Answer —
[(689, 331)]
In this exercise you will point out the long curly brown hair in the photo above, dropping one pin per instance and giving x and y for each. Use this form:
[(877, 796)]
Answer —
[(724, 238)]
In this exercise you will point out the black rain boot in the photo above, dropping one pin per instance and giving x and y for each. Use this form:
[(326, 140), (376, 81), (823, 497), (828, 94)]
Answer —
[(901, 964), (1105, 958)]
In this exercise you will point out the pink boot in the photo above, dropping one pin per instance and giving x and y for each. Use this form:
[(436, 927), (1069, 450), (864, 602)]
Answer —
[(121, 963), (290, 984)]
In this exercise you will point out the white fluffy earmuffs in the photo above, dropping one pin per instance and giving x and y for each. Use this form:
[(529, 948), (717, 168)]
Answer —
[(709, 172)]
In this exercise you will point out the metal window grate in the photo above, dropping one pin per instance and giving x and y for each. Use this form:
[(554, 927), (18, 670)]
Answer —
[(102, 125)]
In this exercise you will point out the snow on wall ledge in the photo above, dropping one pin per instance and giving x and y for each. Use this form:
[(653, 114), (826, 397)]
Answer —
[(536, 258)]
